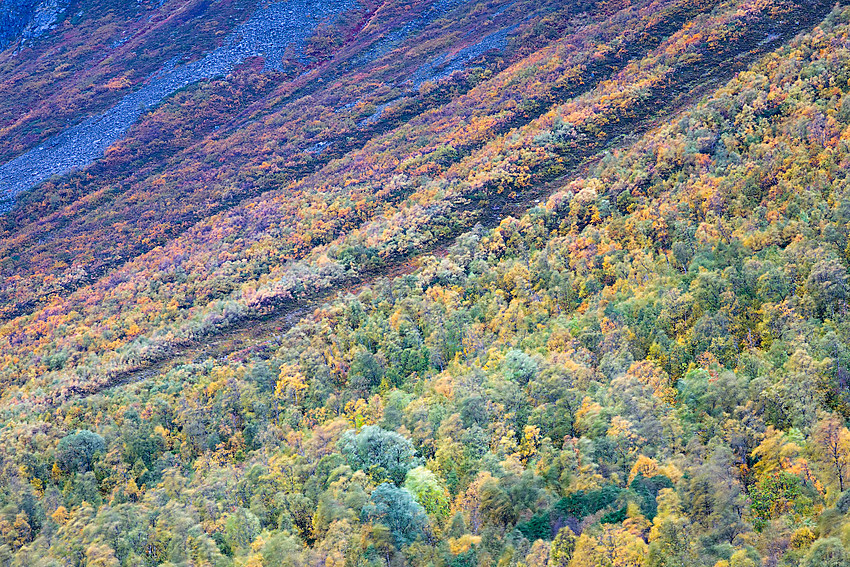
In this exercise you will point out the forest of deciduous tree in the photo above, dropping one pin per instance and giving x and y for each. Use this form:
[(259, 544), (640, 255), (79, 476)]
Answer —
[(582, 303)]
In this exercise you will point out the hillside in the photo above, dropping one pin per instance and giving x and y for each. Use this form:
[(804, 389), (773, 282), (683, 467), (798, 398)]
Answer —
[(425, 283)]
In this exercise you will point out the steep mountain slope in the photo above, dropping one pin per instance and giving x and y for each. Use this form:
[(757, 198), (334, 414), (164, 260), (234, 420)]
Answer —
[(593, 261), (404, 190), (99, 51)]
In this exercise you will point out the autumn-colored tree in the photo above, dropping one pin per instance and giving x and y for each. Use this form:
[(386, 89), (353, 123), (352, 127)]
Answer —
[(832, 443)]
